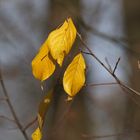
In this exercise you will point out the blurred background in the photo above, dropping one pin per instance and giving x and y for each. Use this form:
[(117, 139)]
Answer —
[(111, 28)]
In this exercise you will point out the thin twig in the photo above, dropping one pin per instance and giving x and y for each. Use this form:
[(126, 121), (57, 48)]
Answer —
[(116, 65), (130, 96), (108, 135), (102, 136), (11, 108), (104, 66), (107, 62), (30, 124), (102, 84), (6, 118), (121, 41), (113, 83)]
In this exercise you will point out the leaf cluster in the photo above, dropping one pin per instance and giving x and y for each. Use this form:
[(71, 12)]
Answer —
[(54, 49)]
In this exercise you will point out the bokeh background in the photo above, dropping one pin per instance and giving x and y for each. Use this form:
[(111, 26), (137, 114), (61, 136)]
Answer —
[(111, 28)]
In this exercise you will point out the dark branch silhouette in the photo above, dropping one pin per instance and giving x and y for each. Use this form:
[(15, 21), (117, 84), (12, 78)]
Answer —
[(104, 66), (11, 108)]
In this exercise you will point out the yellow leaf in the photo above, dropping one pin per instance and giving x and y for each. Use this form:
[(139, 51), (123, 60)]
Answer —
[(42, 66), (37, 134), (74, 76), (60, 41)]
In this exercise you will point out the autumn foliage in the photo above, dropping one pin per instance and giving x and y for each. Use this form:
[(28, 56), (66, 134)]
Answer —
[(56, 47)]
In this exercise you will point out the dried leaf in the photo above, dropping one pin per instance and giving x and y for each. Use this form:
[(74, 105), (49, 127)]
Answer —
[(37, 134), (43, 108), (42, 66), (74, 76), (60, 41)]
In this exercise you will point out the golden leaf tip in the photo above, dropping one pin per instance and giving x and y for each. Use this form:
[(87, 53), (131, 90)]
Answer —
[(37, 134)]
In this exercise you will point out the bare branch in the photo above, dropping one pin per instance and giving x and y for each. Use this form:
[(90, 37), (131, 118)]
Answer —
[(130, 89), (109, 66), (121, 41), (102, 136), (116, 65), (30, 124), (102, 84), (11, 108), (105, 67), (130, 96), (6, 118), (108, 135)]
